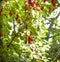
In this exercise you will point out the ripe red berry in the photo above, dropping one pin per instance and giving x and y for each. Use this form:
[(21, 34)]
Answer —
[(42, 7), (53, 3), (4, 14), (10, 13), (29, 39), (37, 4), (32, 4), (29, 1), (0, 11), (29, 14), (26, 7), (17, 17)]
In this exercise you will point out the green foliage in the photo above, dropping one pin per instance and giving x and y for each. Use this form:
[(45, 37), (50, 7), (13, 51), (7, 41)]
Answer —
[(25, 34)]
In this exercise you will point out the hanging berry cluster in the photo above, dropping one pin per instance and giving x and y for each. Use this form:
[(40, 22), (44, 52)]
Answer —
[(17, 18), (35, 5), (53, 2), (29, 38), (32, 4)]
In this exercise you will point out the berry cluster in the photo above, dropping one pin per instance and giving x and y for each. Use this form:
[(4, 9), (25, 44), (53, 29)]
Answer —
[(29, 38), (32, 4), (53, 3)]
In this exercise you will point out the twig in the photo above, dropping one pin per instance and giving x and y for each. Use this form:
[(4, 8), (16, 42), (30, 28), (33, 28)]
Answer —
[(15, 34), (11, 40)]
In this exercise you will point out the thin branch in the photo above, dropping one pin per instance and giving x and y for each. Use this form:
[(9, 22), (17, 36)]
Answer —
[(12, 39), (13, 33), (55, 17)]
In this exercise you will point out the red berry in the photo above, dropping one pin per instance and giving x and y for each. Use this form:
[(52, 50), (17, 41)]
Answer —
[(0, 11), (29, 39), (42, 7), (37, 4), (29, 1), (53, 3), (26, 7), (32, 4), (17, 16), (10, 13), (4, 14)]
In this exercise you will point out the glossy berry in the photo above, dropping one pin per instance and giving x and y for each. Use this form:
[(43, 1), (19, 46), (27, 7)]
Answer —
[(53, 3)]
